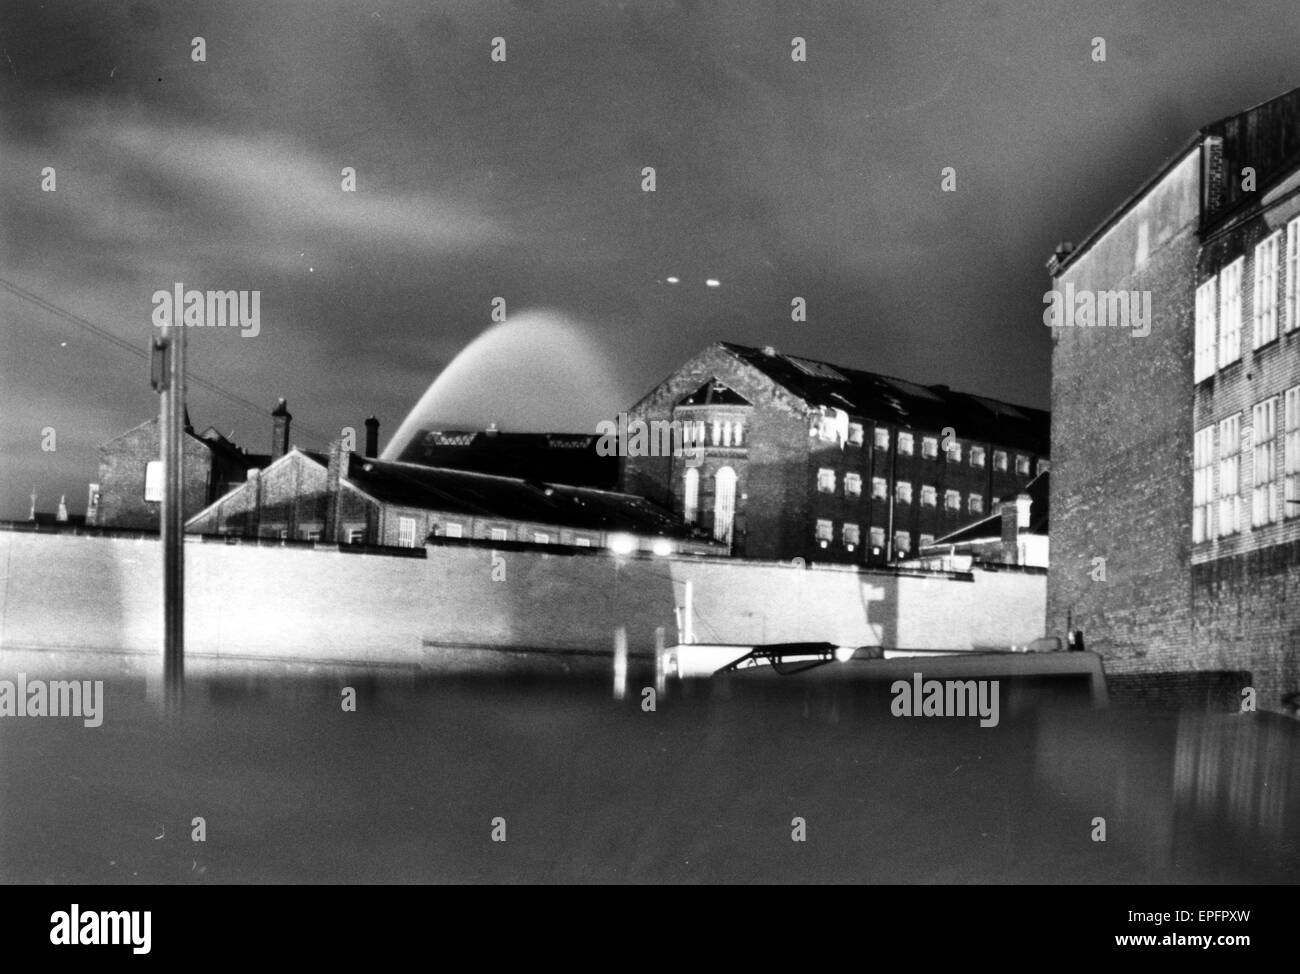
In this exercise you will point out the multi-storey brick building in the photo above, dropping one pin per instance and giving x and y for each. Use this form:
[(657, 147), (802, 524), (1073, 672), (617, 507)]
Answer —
[(1176, 452), (811, 460)]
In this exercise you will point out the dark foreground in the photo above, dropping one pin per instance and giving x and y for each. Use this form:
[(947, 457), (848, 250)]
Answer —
[(706, 788)]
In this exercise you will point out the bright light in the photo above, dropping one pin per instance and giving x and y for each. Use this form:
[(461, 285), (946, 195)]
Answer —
[(712, 282), (621, 544), (663, 547), (673, 280), (844, 653)]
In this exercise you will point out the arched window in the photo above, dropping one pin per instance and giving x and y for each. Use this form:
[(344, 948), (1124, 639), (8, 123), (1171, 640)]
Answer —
[(690, 506), (724, 504)]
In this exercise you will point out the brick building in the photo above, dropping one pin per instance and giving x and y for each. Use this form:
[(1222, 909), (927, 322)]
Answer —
[(343, 498), (1175, 453), (811, 460), (128, 493)]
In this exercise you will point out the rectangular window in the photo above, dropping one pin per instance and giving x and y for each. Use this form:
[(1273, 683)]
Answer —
[(1202, 484), (498, 534), (952, 500), (1206, 305), (1022, 465), (736, 429), (877, 537), (453, 530), (825, 532), (582, 542), (855, 434), (356, 535), (975, 503), (1291, 453), (1229, 474), (826, 480), (999, 459), (541, 537), (903, 492), (905, 444), (406, 532), (310, 534), (852, 485), (882, 438), (1230, 313), (925, 541), (879, 488), (977, 456), (1044, 465), (1263, 437), (929, 496), (1266, 291), (954, 451), (851, 537), (153, 481), (1292, 270), (902, 543), (929, 447)]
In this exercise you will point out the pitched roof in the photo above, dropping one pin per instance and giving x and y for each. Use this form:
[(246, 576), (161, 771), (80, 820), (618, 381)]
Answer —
[(509, 498), (990, 526), (886, 399)]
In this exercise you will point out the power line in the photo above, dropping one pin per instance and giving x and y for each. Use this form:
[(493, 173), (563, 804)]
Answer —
[(141, 353)]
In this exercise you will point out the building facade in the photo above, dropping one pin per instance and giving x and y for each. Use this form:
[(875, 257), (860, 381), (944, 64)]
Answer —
[(1176, 451), (802, 459)]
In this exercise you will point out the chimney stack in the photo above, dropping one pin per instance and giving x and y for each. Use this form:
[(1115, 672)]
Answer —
[(280, 420), (372, 438), (1010, 512), (339, 465)]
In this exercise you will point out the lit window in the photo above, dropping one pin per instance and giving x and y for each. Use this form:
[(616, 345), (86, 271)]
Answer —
[(903, 492), (498, 534), (356, 535), (999, 460), (929, 447), (1291, 453), (691, 498), (826, 480), (877, 537), (905, 444), (406, 532), (1292, 270), (582, 542), (925, 541), (977, 456), (902, 542), (1022, 465), (852, 484), (1230, 313), (855, 434), (1202, 484), (717, 432), (879, 488), (851, 537), (1263, 436), (310, 534), (825, 532), (952, 500), (1206, 306), (724, 504), (1266, 291), (1044, 465), (929, 496), (1229, 474), (735, 433), (453, 530), (882, 438), (541, 537), (975, 503), (153, 481), (954, 450)]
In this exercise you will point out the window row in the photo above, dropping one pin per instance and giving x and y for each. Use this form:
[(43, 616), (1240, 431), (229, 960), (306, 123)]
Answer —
[(902, 491), (1273, 480), (1218, 303), (851, 537), (725, 432)]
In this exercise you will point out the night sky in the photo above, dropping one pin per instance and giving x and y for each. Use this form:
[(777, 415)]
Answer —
[(522, 179)]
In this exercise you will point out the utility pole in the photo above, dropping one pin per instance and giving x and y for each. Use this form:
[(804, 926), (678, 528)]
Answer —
[(168, 379)]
